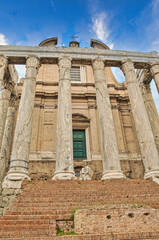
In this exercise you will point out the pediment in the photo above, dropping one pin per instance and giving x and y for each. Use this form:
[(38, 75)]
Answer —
[(78, 117)]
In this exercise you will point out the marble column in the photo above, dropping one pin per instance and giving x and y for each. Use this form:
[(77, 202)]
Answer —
[(144, 133), (18, 170), (4, 96), (7, 137), (154, 67), (64, 145), (111, 162), (151, 111)]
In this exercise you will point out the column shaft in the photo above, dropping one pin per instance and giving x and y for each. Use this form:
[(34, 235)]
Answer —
[(7, 137), (21, 144), (4, 96), (111, 163), (64, 144), (144, 133), (151, 111), (155, 73)]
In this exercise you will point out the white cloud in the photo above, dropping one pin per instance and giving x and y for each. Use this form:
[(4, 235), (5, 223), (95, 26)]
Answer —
[(3, 40), (101, 29)]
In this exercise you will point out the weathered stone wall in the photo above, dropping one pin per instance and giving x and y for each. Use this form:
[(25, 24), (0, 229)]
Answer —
[(44, 170), (7, 197), (116, 220), (43, 139)]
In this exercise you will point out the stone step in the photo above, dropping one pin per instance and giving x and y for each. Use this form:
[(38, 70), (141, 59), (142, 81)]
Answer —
[(42, 205), (109, 236)]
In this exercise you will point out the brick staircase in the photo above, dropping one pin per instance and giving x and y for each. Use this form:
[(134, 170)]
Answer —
[(45, 206)]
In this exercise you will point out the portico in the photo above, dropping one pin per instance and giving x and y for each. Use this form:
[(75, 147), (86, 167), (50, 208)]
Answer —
[(97, 60)]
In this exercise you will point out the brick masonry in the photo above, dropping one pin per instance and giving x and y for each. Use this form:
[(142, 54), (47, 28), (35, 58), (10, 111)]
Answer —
[(44, 205)]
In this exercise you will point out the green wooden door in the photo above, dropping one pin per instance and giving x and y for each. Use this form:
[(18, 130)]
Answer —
[(79, 144)]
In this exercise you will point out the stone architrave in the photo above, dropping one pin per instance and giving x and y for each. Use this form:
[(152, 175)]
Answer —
[(18, 170), (111, 162), (154, 67), (144, 133), (7, 137), (151, 110), (4, 96), (64, 145)]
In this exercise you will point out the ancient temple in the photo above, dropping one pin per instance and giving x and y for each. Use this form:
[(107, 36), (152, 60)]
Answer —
[(70, 119), (74, 113)]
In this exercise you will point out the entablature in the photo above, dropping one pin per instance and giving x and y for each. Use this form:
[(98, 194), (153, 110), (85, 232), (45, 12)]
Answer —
[(18, 54)]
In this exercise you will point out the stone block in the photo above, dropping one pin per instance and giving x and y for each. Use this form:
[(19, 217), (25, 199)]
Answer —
[(8, 192)]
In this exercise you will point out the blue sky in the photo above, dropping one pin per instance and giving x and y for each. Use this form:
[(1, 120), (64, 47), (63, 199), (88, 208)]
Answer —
[(121, 24)]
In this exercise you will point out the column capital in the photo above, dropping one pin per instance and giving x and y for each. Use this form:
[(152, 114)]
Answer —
[(127, 65), (145, 88), (154, 68), (14, 101), (98, 63), (147, 76), (64, 62), (33, 61), (3, 61)]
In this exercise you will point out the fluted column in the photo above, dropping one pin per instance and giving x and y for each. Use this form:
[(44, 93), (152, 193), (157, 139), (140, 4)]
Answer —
[(4, 96), (111, 162), (144, 133), (7, 136), (18, 170), (151, 111), (64, 145), (154, 67)]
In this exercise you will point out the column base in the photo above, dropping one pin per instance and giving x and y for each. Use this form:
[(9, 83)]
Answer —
[(112, 174), (14, 180), (154, 174), (64, 176)]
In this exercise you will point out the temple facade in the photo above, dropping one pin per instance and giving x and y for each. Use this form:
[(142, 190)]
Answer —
[(70, 112)]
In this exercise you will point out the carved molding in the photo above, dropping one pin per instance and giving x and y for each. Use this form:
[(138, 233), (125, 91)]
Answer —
[(33, 61), (78, 117), (98, 64)]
